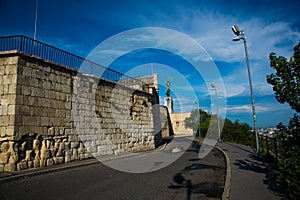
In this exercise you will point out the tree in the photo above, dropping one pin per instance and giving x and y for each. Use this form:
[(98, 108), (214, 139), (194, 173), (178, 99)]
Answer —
[(286, 86), (237, 132), (198, 121), (286, 81), (281, 127), (193, 120), (288, 166)]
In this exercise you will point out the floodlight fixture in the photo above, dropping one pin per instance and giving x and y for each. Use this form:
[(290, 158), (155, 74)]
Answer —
[(236, 39), (212, 86), (236, 30)]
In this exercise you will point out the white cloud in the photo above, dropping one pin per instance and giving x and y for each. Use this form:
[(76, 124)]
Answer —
[(259, 108)]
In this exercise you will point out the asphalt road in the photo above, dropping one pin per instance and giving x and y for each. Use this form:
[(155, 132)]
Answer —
[(187, 178)]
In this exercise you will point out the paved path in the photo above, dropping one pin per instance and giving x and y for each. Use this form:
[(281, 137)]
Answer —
[(251, 178)]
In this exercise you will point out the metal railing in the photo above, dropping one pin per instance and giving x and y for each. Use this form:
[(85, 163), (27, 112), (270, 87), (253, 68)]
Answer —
[(269, 145), (50, 53)]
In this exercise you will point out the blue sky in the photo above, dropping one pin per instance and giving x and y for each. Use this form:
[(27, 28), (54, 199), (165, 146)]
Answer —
[(270, 26)]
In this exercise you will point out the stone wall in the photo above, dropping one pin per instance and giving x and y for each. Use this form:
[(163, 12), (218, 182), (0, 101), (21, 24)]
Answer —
[(51, 114)]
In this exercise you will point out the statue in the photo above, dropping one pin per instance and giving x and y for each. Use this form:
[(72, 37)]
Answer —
[(168, 90)]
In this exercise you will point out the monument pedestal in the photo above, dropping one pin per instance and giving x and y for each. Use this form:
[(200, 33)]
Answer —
[(168, 102)]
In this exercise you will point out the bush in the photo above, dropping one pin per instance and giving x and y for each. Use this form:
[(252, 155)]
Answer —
[(287, 169)]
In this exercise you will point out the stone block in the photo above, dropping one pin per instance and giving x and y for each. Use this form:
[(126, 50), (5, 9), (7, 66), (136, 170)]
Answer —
[(30, 120), (7, 79), (4, 119), (1, 168), (42, 162), (26, 90), (109, 152), (12, 89), (58, 160), (23, 130), (11, 109), (81, 157), (5, 89), (74, 152), (30, 164), (50, 161), (67, 159), (38, 111), (2, 132), (45, 122), (36, 163), (68, 152), (91, 149), (50, 129), (23, 110), (74, 157), (4, 158), (10, 131), (9, 168), (27, 71), (22, 165), (45, 153)]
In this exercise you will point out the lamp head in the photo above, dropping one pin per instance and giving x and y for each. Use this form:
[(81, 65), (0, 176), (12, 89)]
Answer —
[(236, 30)]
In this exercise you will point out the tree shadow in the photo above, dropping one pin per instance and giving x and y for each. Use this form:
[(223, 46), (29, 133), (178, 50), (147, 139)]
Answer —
[(201, 187), (258, 165), (202, 166), (209, 189)]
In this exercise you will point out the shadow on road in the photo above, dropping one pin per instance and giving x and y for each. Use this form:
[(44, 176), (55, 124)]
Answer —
[(203, 179), (258, 165), (209, 189)]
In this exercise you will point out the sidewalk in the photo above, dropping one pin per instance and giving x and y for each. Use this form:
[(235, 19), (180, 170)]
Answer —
[(250, 176)]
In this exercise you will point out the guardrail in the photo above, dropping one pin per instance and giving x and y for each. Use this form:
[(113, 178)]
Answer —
[(50, 53), (269, 145)]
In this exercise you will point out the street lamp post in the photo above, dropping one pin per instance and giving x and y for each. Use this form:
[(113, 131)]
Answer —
[(35, 19), (241, 35), (213, 87)]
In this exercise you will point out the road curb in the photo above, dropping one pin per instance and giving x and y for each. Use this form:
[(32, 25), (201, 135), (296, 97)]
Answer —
[(227, 185)]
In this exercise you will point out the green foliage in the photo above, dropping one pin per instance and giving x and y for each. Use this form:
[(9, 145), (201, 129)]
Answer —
[(286, 81), (192, 121), (286, 86), (281, 127), (197, 122), (288, 166), (236, 132), (168, 91)]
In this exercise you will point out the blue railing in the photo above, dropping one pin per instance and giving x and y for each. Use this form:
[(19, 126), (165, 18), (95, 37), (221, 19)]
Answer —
[(50, 53)]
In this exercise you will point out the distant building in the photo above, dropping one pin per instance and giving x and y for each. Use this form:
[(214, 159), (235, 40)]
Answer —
[(177, 120)]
